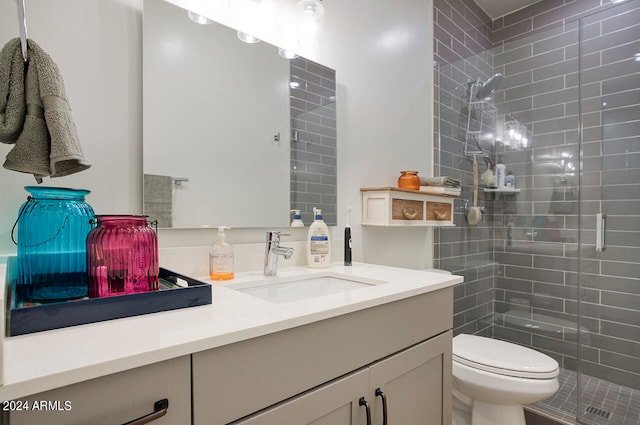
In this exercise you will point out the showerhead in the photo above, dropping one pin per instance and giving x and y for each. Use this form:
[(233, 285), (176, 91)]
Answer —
[(489, 86)]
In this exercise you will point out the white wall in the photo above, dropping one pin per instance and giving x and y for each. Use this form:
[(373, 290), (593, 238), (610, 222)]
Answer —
[(381, 50), (97, 46)]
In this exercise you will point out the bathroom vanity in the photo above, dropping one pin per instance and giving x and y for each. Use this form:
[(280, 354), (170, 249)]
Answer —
[(266, 351)]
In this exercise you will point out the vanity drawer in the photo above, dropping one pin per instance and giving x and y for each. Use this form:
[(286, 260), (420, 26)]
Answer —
[(114, 399), (406, 209), (401, 207), (439, 211)]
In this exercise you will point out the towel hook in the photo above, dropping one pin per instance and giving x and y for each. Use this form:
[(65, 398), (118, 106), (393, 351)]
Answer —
[(22, 17)]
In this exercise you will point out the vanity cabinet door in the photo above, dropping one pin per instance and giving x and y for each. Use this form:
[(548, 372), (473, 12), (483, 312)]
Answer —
[(115, 399), (335, 403), (416, 384)]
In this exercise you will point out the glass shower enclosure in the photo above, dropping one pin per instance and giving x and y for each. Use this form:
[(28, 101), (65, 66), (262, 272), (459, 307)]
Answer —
[(608, 369), (555, 263)]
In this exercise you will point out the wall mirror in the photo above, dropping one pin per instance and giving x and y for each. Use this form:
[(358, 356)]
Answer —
[(234, 133)]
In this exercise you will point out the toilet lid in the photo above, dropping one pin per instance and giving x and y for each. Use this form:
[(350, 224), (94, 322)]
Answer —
[(502, 357)]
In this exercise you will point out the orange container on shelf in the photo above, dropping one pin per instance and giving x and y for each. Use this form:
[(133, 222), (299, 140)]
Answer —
[(409, 180)]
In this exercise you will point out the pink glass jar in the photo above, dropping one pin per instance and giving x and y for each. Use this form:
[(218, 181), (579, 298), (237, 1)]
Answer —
[(122, 256)]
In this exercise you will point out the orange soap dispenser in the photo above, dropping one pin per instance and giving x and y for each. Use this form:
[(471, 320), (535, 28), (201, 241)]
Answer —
[(221, 257)]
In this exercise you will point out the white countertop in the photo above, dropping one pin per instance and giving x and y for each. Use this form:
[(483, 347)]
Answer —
[(41, 361)]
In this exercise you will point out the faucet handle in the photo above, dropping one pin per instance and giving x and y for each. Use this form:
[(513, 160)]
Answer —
[(273, 236)]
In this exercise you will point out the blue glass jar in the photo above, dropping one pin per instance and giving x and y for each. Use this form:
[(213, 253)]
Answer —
[(52, 257)]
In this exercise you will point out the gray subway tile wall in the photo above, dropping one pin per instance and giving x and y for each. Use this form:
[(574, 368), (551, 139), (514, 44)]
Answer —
[(530, 241), (464, 250), (314, 151)]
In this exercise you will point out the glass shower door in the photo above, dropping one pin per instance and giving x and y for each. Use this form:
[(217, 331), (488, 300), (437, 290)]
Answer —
[(609, 244)]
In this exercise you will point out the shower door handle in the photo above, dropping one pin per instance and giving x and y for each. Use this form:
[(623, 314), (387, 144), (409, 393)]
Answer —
[(601, 230)]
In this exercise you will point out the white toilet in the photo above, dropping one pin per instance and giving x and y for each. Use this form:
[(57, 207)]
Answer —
[(493, 379)]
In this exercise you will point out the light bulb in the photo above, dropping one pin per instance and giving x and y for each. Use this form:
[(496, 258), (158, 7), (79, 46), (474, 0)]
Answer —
[(310, 9), (287, 54), (199, 19), (310, 16), (247, 38)]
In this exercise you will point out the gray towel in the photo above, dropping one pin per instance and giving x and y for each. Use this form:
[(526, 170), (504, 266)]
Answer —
[(158, 199), (440, 181), (12, 100), (48, 144)]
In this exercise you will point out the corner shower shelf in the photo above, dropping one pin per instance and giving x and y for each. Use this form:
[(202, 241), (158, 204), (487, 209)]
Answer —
[(506, 190), (497, 193)]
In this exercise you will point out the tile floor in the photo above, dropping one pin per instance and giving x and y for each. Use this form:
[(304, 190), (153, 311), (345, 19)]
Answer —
[(622, 404)]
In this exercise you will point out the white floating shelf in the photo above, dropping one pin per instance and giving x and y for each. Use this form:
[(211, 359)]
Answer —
[(391, 206)]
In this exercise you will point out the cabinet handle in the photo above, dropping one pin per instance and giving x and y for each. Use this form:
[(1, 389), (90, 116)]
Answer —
[(160, 408), (379, 393), (440, 215), (365, 403), (410, 214)]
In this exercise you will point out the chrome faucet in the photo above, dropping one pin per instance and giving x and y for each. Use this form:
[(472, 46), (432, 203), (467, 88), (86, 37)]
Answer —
[(272, 250)]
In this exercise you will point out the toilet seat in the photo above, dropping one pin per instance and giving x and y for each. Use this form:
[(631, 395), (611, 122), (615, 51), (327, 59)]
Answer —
[(503, 358)]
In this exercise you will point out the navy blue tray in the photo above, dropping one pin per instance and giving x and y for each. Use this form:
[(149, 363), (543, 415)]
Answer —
[(43, 317)]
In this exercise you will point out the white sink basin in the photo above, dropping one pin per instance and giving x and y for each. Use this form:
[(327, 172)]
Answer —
[(290, 289)]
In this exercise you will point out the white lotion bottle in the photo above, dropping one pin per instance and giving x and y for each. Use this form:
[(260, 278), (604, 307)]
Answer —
[(297, 219), (318, 243)]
